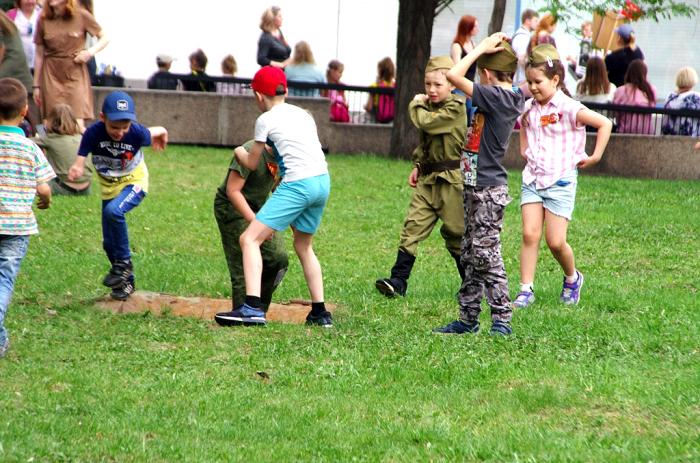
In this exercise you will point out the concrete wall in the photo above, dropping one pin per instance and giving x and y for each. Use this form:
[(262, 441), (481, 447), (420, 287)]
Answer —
[(213, 119), (636, 156)]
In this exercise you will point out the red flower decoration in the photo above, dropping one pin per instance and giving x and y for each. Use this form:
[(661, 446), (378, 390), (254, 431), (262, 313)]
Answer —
[(631, 11)]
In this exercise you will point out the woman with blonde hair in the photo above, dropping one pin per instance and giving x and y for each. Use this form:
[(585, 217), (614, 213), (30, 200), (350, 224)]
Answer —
[(61, 143), (273, 49), (303, 69), (683, 98), (60, 69)]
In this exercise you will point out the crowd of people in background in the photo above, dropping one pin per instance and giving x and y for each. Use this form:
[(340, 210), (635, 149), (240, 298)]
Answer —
[(44, 60)]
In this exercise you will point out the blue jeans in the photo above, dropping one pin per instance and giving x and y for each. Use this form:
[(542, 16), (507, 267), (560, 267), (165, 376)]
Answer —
[(115, 234), (13, 248)]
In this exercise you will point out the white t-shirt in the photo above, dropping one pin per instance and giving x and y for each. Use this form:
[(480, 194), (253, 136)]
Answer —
[(291, 131)]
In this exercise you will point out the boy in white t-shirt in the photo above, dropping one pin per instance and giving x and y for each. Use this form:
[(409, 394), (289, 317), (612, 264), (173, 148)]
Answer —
[(298, 201)]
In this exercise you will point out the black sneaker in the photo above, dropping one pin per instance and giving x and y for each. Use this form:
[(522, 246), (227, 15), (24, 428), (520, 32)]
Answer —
[(390, 287), (324, 319), (243, 315), (501, 329), (458, 327), (119, 274), (123, 292)]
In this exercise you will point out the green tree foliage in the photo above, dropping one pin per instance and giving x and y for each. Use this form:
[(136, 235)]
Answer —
[(656, 10)]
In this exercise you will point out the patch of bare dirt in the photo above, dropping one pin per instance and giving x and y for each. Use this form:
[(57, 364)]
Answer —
[(294, 311)]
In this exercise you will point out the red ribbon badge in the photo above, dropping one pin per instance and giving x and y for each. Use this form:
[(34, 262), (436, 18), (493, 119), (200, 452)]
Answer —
[(550, 119)]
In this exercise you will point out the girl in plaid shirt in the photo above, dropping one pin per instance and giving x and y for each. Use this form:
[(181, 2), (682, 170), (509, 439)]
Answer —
[(553, 142)]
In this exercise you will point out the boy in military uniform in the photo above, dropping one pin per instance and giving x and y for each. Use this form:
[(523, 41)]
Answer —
[(239, 197), (486, 183), (441, 120)]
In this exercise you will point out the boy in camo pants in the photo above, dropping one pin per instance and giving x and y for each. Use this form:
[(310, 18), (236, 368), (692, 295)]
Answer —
[(486, 187)]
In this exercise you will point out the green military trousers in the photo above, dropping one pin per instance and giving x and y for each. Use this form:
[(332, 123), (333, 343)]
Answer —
[(274, 257), (430, 202)]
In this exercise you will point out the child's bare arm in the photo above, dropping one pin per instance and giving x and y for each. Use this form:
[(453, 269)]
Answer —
[(523, 143), (234, 192), (43, 191), (697, 146), (604, 127), (159, 138), (249, 160), (456, 75), (76, 170)]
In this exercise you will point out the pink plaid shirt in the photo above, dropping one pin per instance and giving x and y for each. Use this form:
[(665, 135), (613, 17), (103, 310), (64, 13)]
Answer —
[(556, 143)]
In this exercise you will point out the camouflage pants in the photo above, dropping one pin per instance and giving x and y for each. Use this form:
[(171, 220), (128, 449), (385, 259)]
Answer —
[(430, 202), (274, 256), (481, 254)]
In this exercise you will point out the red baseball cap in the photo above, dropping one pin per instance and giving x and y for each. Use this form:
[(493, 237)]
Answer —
[(267, 79)]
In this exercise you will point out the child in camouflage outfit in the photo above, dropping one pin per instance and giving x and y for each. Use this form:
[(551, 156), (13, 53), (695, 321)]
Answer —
[(486, 187)]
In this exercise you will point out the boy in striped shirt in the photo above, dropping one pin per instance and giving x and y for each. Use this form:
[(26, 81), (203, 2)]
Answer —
[(24, 173)]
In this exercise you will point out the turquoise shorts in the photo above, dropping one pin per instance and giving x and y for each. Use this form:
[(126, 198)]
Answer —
[(299, 204), (558, 199)]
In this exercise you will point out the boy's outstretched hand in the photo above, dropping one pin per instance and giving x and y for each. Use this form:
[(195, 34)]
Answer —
[(160, 141), (159, 138), (697, 146)]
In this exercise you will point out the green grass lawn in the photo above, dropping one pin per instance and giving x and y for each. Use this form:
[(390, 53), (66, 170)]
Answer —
[(616, 378)]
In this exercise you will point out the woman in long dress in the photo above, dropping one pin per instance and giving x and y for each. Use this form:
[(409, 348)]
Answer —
[(60, 70)]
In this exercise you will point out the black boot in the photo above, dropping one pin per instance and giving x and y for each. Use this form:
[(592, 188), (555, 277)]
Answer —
[(398, 282), (119, 274), (460, 267)]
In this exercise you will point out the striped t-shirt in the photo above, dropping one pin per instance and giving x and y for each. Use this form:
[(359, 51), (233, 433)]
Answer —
[(22, 167)]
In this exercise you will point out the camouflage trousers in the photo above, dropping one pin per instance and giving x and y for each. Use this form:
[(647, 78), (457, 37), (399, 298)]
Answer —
[(481, 254), (273, 251)]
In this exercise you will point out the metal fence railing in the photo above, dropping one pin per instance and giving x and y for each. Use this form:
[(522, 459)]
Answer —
[(355, 98), (626, 119), (650, 120)]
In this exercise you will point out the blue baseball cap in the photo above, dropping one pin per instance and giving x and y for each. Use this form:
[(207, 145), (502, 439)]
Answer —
[(625, 30), (119, 106)]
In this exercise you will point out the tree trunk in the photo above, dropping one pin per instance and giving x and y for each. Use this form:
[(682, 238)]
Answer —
[(412, 53), (499, 11)]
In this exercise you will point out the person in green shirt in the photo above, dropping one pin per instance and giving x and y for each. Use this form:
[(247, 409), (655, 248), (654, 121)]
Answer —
[(441, 120), (237, 200), (13, 63), (60, 144)]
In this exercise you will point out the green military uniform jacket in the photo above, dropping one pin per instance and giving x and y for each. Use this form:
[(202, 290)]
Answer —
[(443, 129), (256, 188)]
